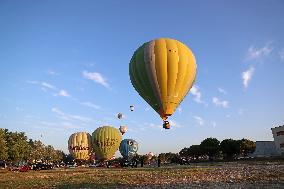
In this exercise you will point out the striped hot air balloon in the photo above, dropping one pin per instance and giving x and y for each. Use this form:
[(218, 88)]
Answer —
[(80, 145), (106, 141), (162, 71)]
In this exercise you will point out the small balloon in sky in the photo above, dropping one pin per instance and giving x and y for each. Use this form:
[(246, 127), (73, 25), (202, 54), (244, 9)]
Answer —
[(123, 129), (119, 116)]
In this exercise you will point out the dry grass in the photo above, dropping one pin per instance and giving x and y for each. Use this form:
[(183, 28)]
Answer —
[(219, 175)]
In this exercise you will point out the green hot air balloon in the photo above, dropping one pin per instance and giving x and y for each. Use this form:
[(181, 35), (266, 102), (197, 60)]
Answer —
[(106, 141), (162, 71)]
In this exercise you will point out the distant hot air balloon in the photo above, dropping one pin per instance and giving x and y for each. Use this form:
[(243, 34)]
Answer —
[(150, 155), (131, 108), (162, 71), (80, 145), (119, 116), (128, 148), (123, 129), (106, 141)]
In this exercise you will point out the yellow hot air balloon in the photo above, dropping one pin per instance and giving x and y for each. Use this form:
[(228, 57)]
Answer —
[(162, 71), (80, 145), (106, 141)]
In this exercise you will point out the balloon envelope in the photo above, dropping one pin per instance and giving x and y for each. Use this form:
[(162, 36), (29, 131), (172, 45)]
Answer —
[(119, 115), (106, 141), (150, 155), (162, 71), (128, 148), (80, 145), (123, 129)]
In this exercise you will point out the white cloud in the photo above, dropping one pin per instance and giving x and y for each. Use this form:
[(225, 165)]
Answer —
[(240, 111), (32, 82), (218, 102), (63, 93), (51, 72), (47, 85), (221, 90), (247, 75), (90, 105), (96, 77), (196, 93), (151, 125), (199, 120), (213, 124), (281, 55), (258, 53), (68, 125), (174, 124), (69, 117), (44, 85), (19, 109)]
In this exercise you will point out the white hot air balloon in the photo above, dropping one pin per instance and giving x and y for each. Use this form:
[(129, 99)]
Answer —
[(123, 129)]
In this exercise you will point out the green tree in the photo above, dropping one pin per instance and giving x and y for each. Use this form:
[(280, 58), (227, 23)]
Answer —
[(162, 157), (3, 145), (58, 156), (195, 151), (230, 148), (18, 147), (175, 158), (184, 153), (15, 147), (247, 146), (68, 159), (145, 159), (210, 147), (37, 152), (171, 157)]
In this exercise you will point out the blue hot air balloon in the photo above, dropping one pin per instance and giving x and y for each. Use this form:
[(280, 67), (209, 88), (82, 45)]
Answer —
[(128, 148)]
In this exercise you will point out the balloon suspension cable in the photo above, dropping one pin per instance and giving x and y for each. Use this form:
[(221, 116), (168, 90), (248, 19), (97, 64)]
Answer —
[(164, 118)]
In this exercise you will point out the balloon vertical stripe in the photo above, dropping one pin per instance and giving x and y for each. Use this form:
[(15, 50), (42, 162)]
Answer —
[(162, 71)]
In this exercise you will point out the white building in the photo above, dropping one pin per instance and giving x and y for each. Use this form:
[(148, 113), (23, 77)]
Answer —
[(265, 149), (278, 135)]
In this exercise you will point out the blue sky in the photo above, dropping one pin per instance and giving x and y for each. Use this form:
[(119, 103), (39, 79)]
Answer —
[(64, 69)]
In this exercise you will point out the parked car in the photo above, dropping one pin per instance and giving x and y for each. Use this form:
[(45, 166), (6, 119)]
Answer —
[(41, 166), (184, 161), (92, 165), (71, 166), (3, 165), (24, 168)]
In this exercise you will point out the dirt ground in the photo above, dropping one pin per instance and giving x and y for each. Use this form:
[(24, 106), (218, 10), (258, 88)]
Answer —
[(202, 175)]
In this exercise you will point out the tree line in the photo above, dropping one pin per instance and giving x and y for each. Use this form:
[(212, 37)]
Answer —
[(212, 148), (209, 149), (15, 147)]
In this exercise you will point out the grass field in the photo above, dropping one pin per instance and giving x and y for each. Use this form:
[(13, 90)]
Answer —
[(216, 175)]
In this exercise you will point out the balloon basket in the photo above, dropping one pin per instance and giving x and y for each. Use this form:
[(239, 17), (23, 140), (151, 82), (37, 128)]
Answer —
[(166, 125)]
